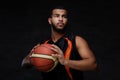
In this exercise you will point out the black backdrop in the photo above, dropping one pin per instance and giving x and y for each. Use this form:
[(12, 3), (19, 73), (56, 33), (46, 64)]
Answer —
[(23, 24)]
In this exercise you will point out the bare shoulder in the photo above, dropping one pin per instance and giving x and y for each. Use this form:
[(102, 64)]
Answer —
[(83, 48), (80, 42), (80, 39)]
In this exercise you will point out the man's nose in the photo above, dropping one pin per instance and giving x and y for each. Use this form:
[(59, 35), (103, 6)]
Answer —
[(60, 18)]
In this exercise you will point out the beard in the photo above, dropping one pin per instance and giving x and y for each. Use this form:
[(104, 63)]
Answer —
[(59, 30)]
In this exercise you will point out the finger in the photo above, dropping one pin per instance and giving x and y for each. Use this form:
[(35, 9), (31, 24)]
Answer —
[(55, 46), (55, 55), (54, 49)]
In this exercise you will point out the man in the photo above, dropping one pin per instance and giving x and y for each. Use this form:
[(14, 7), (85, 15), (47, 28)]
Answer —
[(72, 51)]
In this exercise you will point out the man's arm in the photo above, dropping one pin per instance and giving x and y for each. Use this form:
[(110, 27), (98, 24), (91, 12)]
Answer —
[(27, 61), (88, 61)]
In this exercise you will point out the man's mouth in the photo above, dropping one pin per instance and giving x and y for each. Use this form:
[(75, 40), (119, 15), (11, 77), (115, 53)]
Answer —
[(60, 24)]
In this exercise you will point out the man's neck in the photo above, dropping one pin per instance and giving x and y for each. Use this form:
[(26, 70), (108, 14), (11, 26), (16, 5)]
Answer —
[(56, 36)]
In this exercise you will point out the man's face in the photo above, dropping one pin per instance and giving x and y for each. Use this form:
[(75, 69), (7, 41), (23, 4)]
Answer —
[(58, 19)]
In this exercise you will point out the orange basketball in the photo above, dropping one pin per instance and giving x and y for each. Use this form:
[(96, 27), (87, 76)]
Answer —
[(41, 58)]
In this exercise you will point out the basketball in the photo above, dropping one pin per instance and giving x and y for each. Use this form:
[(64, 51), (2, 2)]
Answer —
[(41, 58)]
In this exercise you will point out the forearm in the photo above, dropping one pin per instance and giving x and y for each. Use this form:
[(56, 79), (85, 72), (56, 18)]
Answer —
[(26, 61), (82, 65)]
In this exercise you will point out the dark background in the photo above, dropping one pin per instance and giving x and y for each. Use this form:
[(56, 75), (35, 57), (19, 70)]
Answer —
[(23, 24)]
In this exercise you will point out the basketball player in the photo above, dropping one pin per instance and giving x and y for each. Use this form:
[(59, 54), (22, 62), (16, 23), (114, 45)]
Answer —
[(72, 51)]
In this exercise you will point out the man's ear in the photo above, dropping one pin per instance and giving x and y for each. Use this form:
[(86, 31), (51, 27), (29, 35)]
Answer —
[(49, 20)]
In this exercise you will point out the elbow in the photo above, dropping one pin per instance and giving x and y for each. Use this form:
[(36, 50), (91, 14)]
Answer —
[(94, 66)]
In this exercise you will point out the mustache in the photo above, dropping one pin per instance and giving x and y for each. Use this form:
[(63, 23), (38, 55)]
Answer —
[(60, 23)]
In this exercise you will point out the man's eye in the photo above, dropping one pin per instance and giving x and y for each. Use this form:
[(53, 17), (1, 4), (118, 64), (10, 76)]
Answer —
[(55, 15), (65, 16)]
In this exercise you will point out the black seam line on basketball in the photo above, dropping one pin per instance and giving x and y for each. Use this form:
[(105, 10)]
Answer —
[(55, 63), (45, 47), (44, 65)]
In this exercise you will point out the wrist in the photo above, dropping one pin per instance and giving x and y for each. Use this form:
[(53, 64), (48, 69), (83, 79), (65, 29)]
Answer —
[(65, 62)]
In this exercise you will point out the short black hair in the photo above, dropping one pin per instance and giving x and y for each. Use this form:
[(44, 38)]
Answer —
[(58, 7)]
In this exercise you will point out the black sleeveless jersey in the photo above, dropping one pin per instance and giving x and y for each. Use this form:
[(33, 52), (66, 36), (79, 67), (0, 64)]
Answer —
[(59, 72)]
